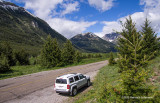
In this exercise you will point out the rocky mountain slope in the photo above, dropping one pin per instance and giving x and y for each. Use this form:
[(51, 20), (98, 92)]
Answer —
[(112, 37), (24, 30), (92, 43)]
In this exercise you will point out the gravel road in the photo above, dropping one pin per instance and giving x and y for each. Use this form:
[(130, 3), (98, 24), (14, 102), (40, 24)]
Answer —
[(38, 87)]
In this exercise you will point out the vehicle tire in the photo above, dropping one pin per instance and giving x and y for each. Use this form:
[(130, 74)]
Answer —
[(88, 83), (74, 91)]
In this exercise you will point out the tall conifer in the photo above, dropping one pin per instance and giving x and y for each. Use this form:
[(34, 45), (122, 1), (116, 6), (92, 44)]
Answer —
[(50, 54), (68, 53), (150, 43), (132, 61)]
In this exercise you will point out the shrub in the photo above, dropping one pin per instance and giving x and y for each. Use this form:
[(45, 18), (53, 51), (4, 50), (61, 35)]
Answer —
[(111, 59), (4, 64)]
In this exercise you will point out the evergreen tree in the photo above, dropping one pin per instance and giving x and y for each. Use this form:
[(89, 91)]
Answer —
[(77, 57), (4, 64), (21, 57), (132, 61), (50, 54), (150, 42), (111, 59), (68, 53), (130, 47), (1, 49), (7, 51)]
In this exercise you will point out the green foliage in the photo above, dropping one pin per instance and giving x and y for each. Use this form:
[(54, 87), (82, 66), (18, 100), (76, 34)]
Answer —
[(107, 86), (50, 54), (25, 31), (11, 58), (68, 53), (7, 51), (32, 60), (21, 57), (4, 64), (77, 57), (111, 59), (29, 69), (150, 41), (132, 61), (130, 48)]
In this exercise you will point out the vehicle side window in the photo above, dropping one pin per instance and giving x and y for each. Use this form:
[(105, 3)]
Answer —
[(76, 78), (81, 76), (71, 80)]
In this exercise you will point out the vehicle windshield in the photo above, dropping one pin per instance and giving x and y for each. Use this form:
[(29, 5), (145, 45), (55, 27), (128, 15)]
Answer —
[(61, 81)]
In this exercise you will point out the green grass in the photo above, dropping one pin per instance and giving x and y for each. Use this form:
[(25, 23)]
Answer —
[(154, 67), (29, 69), (108, 77)]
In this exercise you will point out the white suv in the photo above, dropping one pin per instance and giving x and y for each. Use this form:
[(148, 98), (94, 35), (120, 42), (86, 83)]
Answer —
[(70, 83)]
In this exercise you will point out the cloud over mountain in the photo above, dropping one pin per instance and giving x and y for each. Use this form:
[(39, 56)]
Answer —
[(150, 11)]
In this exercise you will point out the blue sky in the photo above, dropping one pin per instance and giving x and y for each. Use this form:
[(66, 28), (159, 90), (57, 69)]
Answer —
[(71, 17)]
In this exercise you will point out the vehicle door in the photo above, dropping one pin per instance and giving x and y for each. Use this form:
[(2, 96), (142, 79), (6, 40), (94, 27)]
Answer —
[(76, 78), (71, 81), (82, 79)]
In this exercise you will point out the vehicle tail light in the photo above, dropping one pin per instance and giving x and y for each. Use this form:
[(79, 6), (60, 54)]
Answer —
[(68, 86)]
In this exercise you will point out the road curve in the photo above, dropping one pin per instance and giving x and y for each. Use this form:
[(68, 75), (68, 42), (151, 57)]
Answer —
[(18, 87)]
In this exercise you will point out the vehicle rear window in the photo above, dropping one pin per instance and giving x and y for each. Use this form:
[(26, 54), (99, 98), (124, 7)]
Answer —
[(61, 81), (71, 80), (76, 78)]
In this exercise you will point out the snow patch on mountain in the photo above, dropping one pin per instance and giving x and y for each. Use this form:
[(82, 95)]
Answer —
[(10, 7), (112, 37), (13, 7), (90, 34)]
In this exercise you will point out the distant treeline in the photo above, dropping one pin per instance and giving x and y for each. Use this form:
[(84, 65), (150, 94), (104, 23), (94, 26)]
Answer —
[(52, 55), (10, 57)]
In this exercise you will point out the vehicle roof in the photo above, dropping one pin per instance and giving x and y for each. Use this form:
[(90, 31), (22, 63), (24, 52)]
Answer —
[(68, 75)]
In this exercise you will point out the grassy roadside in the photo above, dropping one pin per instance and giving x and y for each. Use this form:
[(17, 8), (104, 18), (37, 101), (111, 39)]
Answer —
[(108, 76), (29, 69), (100, 80)]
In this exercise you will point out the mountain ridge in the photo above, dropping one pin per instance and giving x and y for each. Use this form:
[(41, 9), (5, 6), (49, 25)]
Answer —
[(92, 43), (111, 37), (24, 30)]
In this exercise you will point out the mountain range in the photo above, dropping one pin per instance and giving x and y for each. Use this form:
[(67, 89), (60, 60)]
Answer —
[(92, 43), (24, 30)]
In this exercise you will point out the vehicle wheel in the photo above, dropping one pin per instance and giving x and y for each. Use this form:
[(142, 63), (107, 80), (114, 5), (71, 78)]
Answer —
[(74, 91), (88, 83)]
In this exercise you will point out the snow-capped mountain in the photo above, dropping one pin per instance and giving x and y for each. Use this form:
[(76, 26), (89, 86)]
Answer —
[(112, 37), (89, 34), (92, 43), (13, 7)]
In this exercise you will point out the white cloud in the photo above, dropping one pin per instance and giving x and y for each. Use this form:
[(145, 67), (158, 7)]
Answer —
[(42, 8), (69, 28), (46, 9), (69, 8), (151, 11), (101, 5), (109, 28)]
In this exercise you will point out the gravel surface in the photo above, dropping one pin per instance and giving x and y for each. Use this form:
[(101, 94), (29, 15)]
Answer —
[(47, 95), (38, 87)]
